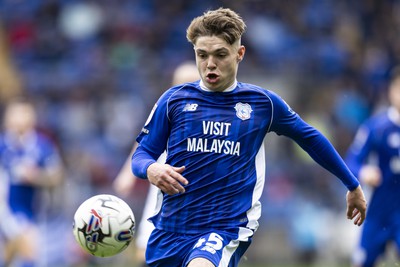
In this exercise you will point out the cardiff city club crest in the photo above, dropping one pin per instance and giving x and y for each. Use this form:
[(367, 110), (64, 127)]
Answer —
[(243, 111)]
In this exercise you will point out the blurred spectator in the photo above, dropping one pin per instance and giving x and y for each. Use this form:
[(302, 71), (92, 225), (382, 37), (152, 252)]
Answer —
[(31, 163), (374, 157)]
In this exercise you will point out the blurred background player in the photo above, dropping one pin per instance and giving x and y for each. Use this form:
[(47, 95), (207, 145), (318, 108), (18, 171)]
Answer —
[(31, 163), (374, 157), (125, 180)]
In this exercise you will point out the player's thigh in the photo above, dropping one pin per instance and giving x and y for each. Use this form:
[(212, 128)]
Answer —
[(167, 248), (217, 248), (200, 262)]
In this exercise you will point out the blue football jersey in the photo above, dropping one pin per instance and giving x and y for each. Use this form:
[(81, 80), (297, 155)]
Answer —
[(379, 138), (219, 137), (35, 150)]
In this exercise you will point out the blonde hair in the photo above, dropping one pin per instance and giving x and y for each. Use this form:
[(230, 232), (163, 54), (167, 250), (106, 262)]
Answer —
[(185, 72), (222, 22)]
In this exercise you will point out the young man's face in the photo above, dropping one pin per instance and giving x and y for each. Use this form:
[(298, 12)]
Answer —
[(217, 61)]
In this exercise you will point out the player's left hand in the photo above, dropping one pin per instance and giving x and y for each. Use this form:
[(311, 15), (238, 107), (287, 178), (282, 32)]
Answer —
[(356, 206)]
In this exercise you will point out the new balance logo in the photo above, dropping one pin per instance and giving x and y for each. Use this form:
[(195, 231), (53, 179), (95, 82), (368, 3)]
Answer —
[(190, 107)]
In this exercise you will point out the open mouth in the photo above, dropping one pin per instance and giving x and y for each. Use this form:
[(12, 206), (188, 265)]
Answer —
[(212, 77)]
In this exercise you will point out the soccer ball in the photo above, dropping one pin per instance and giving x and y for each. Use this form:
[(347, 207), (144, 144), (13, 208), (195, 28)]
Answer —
[(104, 225)]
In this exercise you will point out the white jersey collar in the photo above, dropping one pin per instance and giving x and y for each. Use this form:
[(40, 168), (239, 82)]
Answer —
[(229, 89)]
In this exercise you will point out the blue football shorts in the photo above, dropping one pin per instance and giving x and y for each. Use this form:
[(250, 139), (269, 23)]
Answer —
[(168, 249)]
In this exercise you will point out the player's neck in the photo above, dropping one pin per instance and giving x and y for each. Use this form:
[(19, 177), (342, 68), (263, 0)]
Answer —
[(394, 115), (230, 88)]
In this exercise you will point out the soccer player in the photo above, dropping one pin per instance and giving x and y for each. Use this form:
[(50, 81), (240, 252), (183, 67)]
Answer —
[(125, 181), (30, 162), (213, 131), (374, 157)]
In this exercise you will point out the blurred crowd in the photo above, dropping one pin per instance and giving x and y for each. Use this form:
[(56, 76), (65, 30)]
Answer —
[(95, 68)]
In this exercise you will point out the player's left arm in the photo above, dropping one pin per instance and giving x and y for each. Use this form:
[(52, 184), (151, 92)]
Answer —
[(287, 122)]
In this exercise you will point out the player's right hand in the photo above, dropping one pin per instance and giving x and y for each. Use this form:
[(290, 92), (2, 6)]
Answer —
[(167, 178)]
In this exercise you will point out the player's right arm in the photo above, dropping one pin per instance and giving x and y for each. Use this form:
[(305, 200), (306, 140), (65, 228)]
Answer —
[(152, 142), (166, 177)]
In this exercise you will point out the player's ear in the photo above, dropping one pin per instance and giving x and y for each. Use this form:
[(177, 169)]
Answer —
[(241, 52)]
